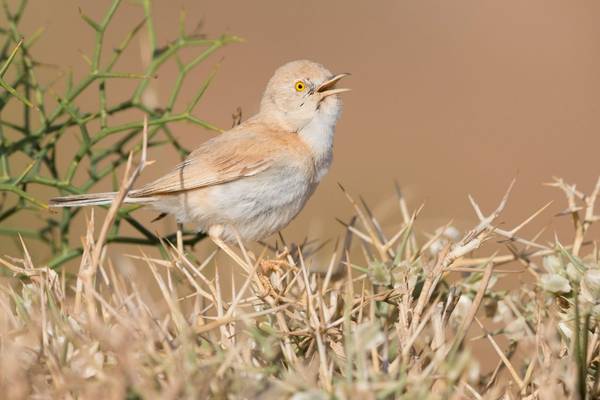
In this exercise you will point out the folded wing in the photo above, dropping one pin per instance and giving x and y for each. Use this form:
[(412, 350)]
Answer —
[(220, 160)]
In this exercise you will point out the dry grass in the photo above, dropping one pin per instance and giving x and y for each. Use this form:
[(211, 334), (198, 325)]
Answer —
[(402, 318), (390, 325)]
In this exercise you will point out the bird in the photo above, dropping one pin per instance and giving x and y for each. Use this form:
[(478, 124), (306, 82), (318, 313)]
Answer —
[(251, 181)]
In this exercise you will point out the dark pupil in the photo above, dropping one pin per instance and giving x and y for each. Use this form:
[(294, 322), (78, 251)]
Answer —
[(300, 86)]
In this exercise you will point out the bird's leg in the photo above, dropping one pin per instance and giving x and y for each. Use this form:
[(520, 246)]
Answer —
[(272, 273), (262, 283), (266, 266), (180, 237), (215, 232), (274, 265)]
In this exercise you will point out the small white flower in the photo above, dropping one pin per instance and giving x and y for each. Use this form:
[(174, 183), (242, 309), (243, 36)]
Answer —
[(452, 233), (446, 235), (460, 310), (555, 283), (573, 272), (436, 246), (503, 313), (552, 264), (565, 329), (592, 281), (516, 329)]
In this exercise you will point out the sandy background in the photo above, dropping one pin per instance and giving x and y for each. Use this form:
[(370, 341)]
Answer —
[(449, 98)]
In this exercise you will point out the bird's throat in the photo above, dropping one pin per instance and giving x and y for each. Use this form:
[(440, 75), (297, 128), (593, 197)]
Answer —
[(318, 135)]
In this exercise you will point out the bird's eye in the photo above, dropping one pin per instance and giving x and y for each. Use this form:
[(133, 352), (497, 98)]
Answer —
[(300, 86)]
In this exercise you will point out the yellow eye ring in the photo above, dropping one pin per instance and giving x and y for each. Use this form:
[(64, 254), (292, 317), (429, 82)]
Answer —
[(300, 86)]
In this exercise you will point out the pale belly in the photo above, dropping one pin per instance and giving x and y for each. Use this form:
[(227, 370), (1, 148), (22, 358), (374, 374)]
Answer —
[(254, 207)]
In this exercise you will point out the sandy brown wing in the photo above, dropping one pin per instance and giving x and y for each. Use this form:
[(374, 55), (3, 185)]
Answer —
[(214, 164)]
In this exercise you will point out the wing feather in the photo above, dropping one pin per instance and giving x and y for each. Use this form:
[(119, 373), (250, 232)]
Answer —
[(220, 160)]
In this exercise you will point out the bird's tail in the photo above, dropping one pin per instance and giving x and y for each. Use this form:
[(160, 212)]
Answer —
[(93, 199)]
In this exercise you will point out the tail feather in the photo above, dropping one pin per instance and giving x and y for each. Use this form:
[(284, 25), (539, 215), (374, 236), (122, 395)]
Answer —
[(92, 199)]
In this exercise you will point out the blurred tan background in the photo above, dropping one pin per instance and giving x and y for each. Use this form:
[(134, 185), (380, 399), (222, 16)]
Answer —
[(449, 98)]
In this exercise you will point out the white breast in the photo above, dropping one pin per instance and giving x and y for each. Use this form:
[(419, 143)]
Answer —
[(318, 134)]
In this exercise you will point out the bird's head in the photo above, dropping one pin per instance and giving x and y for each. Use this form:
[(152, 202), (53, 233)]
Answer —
[(299, 91)]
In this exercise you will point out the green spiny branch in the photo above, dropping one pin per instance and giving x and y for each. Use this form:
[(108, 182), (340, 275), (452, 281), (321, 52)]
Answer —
[(48, 116)]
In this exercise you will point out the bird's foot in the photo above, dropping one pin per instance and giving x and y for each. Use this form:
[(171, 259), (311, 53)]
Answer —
[(269, 266)]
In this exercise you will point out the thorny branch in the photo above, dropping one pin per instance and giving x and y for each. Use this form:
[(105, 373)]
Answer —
[(37, 133)]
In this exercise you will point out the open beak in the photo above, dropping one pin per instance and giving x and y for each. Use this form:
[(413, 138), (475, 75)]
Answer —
[(328, 88)]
